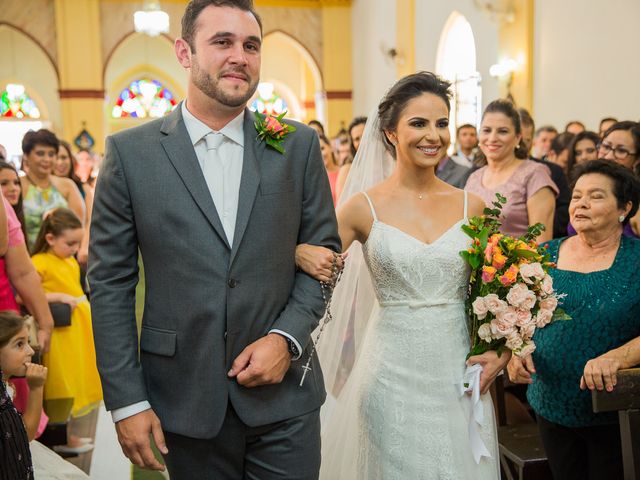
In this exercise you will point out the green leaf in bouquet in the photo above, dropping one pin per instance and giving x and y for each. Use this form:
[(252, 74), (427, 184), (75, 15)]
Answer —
[(560, 315), (528, 254), (469, 231), (475, 261), (483, 236)]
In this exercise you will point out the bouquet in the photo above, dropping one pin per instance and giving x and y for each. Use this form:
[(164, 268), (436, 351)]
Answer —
[(510, 290)]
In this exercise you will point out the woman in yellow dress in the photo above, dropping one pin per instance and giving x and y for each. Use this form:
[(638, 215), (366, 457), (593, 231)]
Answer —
[(72, 359)]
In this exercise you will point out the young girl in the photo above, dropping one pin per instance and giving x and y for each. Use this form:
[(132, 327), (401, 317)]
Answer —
[(71, 359), (15, 359)]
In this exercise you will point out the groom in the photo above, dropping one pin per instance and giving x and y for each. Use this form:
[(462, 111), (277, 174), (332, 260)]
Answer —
[(216, 215)]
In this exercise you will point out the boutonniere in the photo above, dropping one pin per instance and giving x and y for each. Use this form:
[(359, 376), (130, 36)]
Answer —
[(272, 130)]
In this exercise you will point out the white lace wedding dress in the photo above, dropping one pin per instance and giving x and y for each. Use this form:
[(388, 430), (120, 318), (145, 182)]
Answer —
[(403, 416)]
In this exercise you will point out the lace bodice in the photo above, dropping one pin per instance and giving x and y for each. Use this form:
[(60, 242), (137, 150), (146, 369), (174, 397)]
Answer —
[(407, 271)]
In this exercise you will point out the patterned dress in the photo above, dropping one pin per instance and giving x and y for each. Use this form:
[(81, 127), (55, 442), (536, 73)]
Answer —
[(15, 458)]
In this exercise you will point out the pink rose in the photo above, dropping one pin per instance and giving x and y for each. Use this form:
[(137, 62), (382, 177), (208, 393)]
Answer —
[(523, 317), (520, 296), (494, 304), (525, 350), (531, 272), (508, 315), (547, 285), (514, 341), (527, 331), (488, 253), (479, 308), (484, 332), (549, 303), (543, 318), (273, 124), (488, 274), (501, 328)]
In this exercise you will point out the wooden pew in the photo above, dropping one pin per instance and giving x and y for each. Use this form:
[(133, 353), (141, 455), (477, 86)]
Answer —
[(625, 399)]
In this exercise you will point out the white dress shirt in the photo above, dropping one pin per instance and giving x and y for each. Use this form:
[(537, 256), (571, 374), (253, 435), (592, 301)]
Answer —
[(224, 189)]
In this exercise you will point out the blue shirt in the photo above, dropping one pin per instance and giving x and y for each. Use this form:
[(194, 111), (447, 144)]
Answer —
[(605, 313)]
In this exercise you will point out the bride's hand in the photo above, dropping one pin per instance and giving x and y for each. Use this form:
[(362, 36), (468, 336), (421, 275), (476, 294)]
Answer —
[(317, 261), (492, 365)]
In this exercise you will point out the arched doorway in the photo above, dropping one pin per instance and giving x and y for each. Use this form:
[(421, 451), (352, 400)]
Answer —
[(143, 69), (28, 90), (456, 61), (293, 75)]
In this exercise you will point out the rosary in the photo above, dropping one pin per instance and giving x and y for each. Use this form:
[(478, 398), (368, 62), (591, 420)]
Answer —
[(327, 294)]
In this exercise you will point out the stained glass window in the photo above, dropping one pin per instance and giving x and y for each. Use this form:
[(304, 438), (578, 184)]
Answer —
[(15, 103), (144, 98), (268, 101)]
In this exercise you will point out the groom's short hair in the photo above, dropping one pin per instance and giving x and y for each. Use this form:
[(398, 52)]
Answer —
[(194, 8)]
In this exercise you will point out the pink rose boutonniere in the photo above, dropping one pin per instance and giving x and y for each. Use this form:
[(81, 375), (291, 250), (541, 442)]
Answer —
[(272, 130)]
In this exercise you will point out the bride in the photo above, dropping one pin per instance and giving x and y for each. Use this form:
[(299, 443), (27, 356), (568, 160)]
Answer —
[(398, 411)]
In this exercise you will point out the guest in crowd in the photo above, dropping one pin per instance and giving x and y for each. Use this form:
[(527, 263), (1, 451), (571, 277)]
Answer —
[(452, 172), (3, 153), (41, 190), (87, 166), (12, 191), (527, 185), (542, 141), (342, 144), (605, 124), (597, 270), (561, 215), (65, 167), (583, 147), (621, 144), (356, 129), (317, 126), (559, 151), (574, 127), (466, 145), (330, 164)]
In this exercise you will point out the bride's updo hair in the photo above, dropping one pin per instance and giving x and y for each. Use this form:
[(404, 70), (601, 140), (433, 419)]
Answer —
[(401, 93)]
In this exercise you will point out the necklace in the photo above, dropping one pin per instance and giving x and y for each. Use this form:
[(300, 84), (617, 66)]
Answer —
[(419, 196)]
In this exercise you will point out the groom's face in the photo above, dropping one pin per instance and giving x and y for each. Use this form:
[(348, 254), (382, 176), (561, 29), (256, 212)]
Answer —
[(225, 60)]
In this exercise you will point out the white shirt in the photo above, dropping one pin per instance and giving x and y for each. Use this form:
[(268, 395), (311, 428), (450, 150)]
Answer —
[(224, 190)]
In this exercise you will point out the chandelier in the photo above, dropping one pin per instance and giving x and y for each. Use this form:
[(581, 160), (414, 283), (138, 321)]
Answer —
[(151, 20)]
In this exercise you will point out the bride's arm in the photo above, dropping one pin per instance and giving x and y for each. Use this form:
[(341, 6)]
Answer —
[(354, 217)]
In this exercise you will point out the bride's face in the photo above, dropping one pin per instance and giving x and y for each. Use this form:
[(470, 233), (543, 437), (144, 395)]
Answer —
[(422, 134)]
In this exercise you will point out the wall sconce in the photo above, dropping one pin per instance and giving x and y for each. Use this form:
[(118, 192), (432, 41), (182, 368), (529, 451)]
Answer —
[(392, 54), (499, 11), (151, 19), (504, 71)]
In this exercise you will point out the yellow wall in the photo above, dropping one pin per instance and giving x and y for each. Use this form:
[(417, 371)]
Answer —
[(337, 62), (516, 42), (406, 37)]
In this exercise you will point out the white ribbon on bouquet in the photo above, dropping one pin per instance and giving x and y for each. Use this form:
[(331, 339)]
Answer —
[(471, 383)]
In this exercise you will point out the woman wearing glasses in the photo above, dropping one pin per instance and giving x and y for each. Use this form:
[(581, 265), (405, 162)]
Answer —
[(621, 144)]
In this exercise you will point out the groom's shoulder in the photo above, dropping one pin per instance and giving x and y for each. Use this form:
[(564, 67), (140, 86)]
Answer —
[(139, 135), (303, 131)]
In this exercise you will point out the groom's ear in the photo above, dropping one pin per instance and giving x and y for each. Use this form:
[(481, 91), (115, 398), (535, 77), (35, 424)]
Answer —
[(183, 52)]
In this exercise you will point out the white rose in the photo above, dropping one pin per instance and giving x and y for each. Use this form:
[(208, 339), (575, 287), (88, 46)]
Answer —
[(523, 317), (480, 308), (526, 331), (517, 294), (529, 300), (484, 332), (549, 303), (501, 328), (547, 285), (531, 271), (494, 304), (514, 341), (543, 317), (527, 349), (508, 315)]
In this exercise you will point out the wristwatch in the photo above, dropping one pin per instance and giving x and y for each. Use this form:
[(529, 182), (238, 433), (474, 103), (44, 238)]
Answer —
[(293, 350)]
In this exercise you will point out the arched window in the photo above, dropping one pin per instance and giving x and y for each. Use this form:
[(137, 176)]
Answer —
[(457, 63), (268, 101), (144, 98), (15, 103)]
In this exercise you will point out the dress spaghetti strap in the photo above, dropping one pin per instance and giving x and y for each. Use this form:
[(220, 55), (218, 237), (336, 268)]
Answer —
[(464, 214), (373, 211)]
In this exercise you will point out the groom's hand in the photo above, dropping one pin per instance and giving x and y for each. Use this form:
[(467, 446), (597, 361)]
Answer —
[(134, 436), (264, 362)]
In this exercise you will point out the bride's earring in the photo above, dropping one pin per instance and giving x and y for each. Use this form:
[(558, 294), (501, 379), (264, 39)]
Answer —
[(621, 218)]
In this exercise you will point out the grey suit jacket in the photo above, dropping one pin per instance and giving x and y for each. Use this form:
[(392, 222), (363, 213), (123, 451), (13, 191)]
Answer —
[(205, 300), (454, 174)]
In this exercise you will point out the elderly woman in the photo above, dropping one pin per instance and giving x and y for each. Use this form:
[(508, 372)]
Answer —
[(597, 270)]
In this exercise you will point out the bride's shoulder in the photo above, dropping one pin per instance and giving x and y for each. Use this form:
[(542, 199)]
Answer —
[(475, 205)]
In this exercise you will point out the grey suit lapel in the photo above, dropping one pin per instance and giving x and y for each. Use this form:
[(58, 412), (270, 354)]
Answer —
[(180, 151), (253, 151)]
